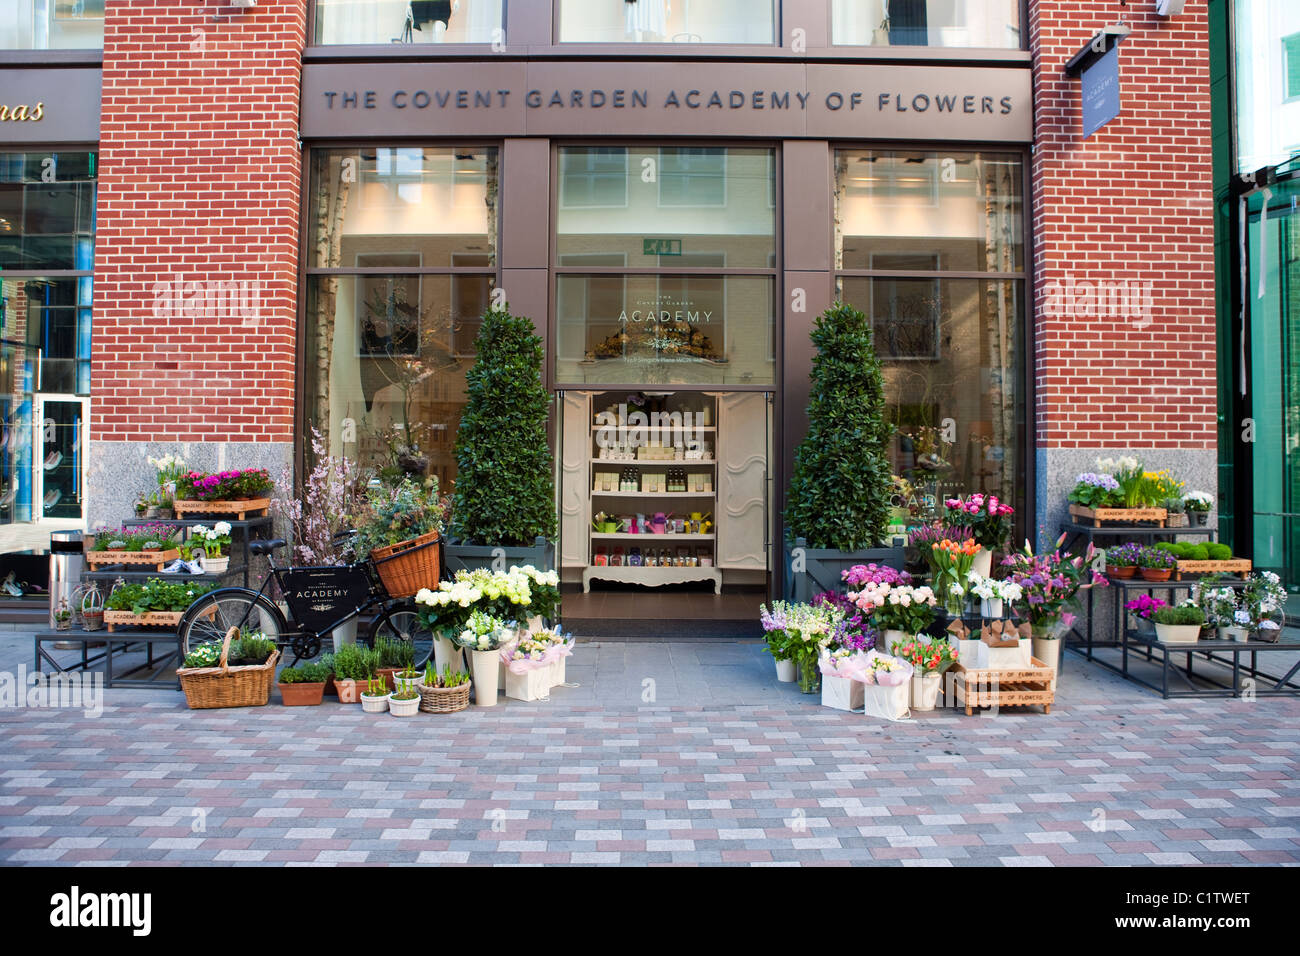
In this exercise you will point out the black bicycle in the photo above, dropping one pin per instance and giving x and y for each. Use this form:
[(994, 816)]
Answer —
[(319, 599)]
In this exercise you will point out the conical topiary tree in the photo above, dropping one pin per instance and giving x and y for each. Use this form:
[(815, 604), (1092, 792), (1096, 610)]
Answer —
[(505, 489), (839, 492)]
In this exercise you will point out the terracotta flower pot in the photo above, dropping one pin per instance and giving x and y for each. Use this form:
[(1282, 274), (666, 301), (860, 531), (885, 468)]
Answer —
[(349, 691), (1121, 572), (1156, 574), (302, 695)]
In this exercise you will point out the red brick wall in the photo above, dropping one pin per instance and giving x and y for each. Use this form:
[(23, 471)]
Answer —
[(199, 183), (1133, 202)]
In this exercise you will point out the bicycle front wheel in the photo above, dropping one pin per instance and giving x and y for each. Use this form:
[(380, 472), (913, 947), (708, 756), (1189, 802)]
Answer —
[(211, 616), (401, 622)]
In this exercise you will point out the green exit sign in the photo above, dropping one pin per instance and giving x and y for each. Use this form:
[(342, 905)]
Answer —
[(661, 247)]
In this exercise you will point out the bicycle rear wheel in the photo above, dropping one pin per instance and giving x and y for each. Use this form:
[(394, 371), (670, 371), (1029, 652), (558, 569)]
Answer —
[(401, 622), (212, 615)]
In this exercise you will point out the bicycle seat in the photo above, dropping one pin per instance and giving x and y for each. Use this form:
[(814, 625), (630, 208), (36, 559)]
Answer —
[(265, 547)]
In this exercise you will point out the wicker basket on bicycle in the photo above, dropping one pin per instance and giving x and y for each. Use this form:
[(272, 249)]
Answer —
[(225, 686), (443, 700), (409, 565)]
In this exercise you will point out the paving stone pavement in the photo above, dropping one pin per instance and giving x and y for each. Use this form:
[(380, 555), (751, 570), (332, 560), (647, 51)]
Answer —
[(713, 763)]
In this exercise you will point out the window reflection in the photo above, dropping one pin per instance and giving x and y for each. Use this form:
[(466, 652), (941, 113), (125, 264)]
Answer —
[(667, 21), (948, 23), (408, 21)]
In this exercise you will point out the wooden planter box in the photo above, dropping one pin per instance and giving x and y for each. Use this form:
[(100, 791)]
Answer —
[(1022, 687), (1238, 566), (1100, 516), (239, 510), (147, 619), (809, 571), (157, 559), (456, 555)]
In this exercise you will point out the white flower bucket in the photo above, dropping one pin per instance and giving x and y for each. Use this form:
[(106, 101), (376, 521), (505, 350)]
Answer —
[(445, 654), (886, 702), (344, 634), (533, 684), (1234, 633), (841, 692), (785, 672), (991, 607), (891, 637), (403, 708), (483, 667), (925, 691), (377, 704)]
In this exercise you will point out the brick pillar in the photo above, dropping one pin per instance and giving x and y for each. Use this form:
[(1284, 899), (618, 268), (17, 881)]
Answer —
[(1127, 211), (196, 270)]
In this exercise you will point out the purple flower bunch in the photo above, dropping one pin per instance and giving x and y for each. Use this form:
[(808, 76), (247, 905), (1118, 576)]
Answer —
[(1050, 582), (1124, 555), (852, 632), (860, 574)]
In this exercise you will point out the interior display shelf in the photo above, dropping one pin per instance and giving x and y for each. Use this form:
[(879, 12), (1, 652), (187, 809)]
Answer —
[(655, 462), (648, 536), (652, 577), (651, 494)]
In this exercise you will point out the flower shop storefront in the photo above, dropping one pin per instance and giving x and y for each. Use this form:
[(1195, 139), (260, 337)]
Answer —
[(673, 257)]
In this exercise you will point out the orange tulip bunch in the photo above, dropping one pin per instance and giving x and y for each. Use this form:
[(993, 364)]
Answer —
[(952, 563)]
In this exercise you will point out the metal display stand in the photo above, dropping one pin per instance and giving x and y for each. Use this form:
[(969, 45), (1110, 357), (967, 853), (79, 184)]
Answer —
[(1084, 643), (1141, 642)]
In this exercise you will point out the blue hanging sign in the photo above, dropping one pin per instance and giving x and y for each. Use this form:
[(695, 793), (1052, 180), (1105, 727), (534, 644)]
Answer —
[(1101, 91)]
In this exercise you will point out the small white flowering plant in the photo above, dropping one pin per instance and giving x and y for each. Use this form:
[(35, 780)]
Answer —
[(1264, 600), (483, 632), (1198, 501), (992, 589), (214, 541)]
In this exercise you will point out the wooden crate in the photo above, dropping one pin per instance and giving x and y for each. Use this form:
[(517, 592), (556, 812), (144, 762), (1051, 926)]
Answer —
[(1238, 566), (157, 559), (147, 619), (239, 510), (1020, 687), (1099, 516)]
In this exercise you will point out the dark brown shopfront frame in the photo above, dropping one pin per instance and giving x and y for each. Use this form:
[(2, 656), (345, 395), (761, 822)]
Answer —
[(529, 137)]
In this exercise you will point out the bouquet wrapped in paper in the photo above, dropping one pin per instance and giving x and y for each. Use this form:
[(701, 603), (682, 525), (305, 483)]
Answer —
[(534, 651), (849, 664), (887, 671)]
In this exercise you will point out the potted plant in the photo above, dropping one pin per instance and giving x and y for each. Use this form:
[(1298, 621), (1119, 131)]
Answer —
[(156, 602), (1264, 600), (1049, 588), (1222, 610), (407, 677), (62, 616), (390, 656), (303, 685), (215, 545), (404, 702), (990, 522), (352, 669), (1156, 564), (237, 673), (1198, 504), (929, 659), (483, 637), (1179, 624), (374, 699), (1143, 606), (838, 505), (142, 506), (505, 496), (776, 639), (443, 692), (1122, 560), (401, 532)]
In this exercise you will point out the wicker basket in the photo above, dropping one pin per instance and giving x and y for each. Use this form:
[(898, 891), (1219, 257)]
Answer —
[(226, 686), (409, 565), (444, 700)]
